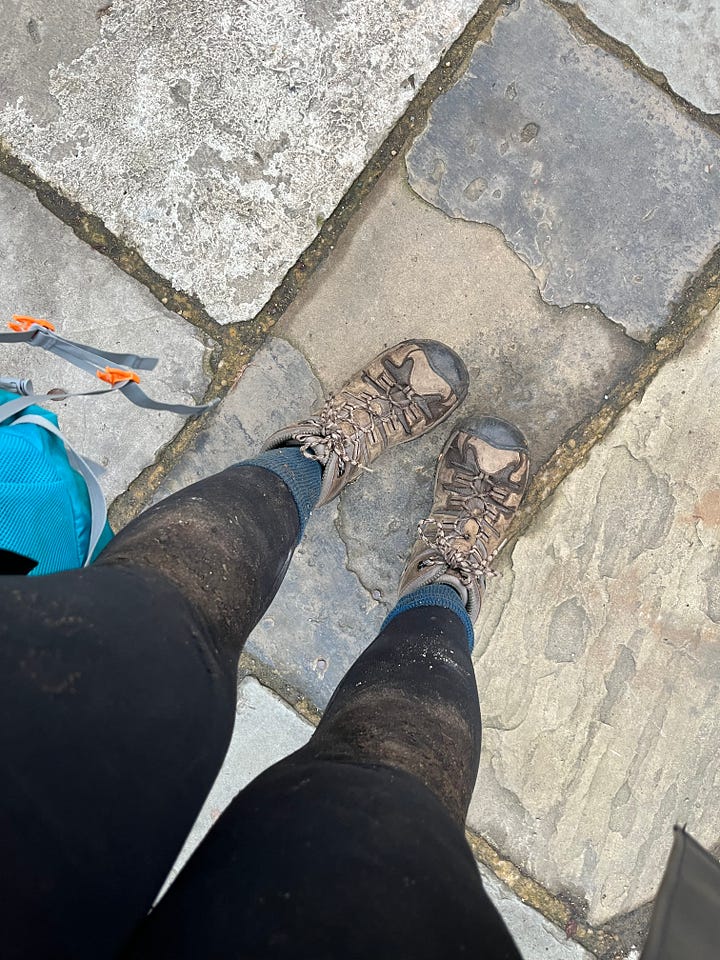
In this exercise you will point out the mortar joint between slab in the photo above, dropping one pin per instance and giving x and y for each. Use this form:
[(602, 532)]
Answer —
[(587, 31), (565, 914), (250, 666), (90, 228)]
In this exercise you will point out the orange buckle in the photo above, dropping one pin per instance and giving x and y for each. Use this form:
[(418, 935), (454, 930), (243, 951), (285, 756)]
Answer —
[(113, 375), (21, 324)]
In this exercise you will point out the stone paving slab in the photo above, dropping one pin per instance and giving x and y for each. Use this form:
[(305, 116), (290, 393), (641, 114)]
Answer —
[(36, 37), (536, 937), (596, 178), (216, 137), (267, 730), (403, 269), (45, 271), (598, 654), (680, 38)]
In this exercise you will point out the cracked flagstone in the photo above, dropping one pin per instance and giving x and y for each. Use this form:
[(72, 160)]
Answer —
[(608, 191)]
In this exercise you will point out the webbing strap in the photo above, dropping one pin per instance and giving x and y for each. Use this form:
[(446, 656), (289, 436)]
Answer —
[(131, 390), (92, 361), (137, 396), (98, 508), (12, 407), (89, 359)]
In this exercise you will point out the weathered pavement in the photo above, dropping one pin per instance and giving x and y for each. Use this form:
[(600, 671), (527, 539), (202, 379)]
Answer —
[(547, 205)]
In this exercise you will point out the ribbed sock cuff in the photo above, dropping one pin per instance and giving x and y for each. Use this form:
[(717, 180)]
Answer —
[(434, 595), (302, 477)]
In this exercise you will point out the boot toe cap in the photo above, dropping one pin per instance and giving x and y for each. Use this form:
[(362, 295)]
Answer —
[(498, 433), (448, 365)]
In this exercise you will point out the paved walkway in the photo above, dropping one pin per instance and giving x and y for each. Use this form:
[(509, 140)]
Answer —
[(264, 195)]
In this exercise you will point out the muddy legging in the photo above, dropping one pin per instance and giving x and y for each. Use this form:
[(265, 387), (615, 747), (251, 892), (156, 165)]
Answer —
[(117, 699)]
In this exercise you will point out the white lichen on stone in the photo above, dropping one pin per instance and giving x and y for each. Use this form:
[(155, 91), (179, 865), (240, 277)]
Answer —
[(216, 137)]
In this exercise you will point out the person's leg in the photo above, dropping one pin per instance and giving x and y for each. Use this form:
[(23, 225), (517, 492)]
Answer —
[(354, 845), (117, 683), (117, 698)]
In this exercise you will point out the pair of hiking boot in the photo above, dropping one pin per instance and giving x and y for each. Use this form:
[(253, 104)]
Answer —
[(481, 476)]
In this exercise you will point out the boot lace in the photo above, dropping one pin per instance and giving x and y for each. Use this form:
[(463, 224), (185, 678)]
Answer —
[(348, 423), (478, 501)]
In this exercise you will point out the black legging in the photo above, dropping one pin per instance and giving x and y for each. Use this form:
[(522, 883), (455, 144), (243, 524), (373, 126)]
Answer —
[(117, 695)]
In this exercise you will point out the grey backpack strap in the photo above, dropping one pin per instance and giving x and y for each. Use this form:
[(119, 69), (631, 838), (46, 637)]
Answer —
[(94, 361), (12, 407), (98, 507), (89, 359), (131, 390), (137, 396)]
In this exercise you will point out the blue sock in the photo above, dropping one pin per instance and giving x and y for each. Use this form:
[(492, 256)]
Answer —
[(434, 595), (301, 476)]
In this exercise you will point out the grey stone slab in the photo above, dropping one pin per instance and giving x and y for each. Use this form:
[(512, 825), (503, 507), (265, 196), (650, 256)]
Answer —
[(267, 730), (36, 36), (45, 271), (536, 937), (680, 38), (321, 618), (598, 654), (217, 137), (403, 269), (607, 190)]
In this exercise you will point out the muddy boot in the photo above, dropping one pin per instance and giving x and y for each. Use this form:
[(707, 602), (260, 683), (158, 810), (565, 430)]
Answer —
[(404, 392), (481, 478)]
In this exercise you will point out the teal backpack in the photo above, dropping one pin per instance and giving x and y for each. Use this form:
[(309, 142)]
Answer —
[(53, 515)]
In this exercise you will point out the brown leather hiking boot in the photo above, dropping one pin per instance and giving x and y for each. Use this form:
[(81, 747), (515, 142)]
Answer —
[(404, 392), (481, 478)]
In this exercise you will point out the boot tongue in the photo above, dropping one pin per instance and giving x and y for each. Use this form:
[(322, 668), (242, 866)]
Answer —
[(451, 581), (320, 450)]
